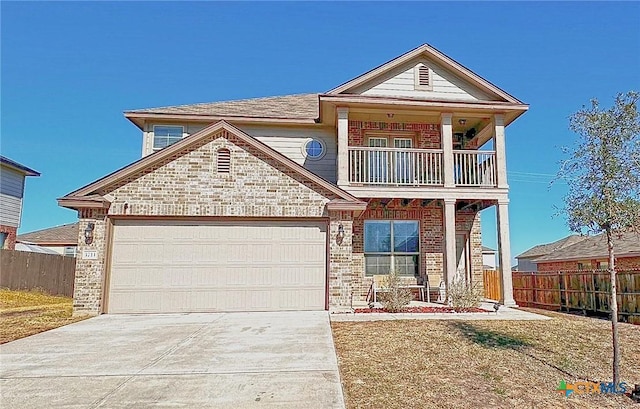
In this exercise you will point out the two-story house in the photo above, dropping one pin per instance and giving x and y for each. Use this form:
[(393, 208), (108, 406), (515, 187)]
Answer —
[(295, 202), (12, 181)]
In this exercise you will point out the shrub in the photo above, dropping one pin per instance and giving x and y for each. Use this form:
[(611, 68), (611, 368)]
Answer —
[(463, 295), (396, 297)]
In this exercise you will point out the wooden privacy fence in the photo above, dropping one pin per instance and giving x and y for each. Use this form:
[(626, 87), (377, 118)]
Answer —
[(491, 281), (23, 270), (588, 291)]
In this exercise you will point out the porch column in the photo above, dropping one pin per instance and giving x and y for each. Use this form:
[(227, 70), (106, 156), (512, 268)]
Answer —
[(504, 253), (449, 241), (499, 146), (343, 143), (446, 135)]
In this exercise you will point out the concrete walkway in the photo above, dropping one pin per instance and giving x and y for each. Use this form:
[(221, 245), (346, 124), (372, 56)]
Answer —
[(236, 360), (504, 313)]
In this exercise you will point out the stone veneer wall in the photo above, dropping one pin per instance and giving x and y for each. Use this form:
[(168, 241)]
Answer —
[(188, 184), (427, 135), (431, 241)]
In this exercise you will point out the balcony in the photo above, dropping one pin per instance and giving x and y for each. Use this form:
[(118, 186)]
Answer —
[(420, 167)]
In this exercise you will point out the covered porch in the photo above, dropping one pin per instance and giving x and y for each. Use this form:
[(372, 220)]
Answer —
[(429, 242)]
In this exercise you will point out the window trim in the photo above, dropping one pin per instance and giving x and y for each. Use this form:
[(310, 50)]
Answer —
[(322, 145), (392, 253), (153, 137)]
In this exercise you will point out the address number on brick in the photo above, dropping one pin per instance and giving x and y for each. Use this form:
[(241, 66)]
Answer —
[(90, 254)]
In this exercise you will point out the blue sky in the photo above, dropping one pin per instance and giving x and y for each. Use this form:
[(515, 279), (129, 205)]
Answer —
[(69, 70)]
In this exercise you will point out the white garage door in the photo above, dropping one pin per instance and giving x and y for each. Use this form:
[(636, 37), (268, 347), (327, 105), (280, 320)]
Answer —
[(159, 267)]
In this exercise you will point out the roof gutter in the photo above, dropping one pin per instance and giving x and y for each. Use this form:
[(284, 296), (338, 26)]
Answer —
[(138, 118)]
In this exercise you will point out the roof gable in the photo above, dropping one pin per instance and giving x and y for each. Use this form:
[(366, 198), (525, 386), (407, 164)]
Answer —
[(64, 234), (447, 73), (170, 153)]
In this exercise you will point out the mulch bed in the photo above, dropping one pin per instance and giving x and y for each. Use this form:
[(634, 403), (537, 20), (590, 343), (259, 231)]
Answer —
[(421, 310)]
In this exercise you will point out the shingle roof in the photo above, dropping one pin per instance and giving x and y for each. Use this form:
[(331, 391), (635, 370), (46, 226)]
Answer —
[(300, 106), (596, 247), (485, 248), (65, 234), (544, 249)]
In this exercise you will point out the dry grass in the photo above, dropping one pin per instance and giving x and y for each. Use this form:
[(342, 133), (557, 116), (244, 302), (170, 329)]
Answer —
[(24, 313), (481, 364)]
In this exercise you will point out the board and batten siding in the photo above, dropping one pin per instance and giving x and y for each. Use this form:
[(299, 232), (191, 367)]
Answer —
[(290, 141), (11, 192), (445, 85)]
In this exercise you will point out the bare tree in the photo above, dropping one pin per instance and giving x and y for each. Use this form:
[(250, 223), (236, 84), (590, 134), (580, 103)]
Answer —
[(603, 174)]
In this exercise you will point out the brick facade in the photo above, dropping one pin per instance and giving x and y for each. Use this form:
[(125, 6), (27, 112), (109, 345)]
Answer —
[(341, 271), (431, 221), (89, 278), (426, 135), (189, 184), (10, 240)]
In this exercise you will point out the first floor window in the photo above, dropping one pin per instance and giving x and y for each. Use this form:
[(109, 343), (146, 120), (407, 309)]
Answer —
[(70, 251), (391, 244), (164, 136)]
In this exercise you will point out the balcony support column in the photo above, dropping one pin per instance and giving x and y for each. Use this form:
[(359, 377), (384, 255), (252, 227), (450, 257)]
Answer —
[(343, 145), (499, 146), (449, 242), (504, 253), (446, 135)]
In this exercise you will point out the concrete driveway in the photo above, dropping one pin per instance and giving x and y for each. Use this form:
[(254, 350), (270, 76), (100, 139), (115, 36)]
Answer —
[(235, 360)]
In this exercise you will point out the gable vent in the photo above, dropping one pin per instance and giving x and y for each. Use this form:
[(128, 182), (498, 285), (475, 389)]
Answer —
[(422, 77), (224, 161)]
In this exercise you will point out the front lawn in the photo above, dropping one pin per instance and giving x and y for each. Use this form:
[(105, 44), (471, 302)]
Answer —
[(25, 313), (481, 364)]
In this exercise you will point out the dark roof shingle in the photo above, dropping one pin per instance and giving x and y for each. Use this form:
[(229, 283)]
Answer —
[(544, 249), (595, 247), (65, 234), (300, 106)]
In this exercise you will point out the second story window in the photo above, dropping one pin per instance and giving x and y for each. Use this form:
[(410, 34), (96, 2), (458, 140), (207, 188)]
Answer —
[(164, 136)]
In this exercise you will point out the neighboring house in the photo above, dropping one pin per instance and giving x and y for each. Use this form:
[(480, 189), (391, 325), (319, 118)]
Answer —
[(489, 258), (12, 181), (295, 202), (60, 239), (592, 253), (33, 248), (526, 260)]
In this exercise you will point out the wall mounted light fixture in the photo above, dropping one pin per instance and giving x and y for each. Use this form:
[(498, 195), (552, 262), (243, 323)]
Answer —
[(340, 235), (462, 121), (88, 233)]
